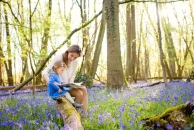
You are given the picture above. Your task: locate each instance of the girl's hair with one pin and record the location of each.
(58, 64)
(73, 48)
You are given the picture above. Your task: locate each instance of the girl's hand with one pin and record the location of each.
(59, 90)
(58, 84)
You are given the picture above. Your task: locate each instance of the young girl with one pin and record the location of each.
(55, 88)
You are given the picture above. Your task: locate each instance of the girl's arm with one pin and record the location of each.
(53, 83)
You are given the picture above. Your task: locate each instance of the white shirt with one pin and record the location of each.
(70, 72)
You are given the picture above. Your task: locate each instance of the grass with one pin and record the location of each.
(108, 110)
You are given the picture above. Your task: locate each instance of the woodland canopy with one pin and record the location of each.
(122, 41)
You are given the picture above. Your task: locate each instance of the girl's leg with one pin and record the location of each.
(68, 96)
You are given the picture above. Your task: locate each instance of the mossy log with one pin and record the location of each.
(69, 114)
(178, 117)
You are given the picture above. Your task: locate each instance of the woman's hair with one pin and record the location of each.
(58, 64)
(73, 48)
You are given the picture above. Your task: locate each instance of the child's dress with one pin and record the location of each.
(53, 88)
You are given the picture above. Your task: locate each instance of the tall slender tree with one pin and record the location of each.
(131, 42)
(2, 58)
(45, 38)
(98, 45)
(159, 40)
(9, 58)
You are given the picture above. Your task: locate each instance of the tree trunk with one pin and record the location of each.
(128, 70)
(170, 47)
(159, 39)
(185, 37)
(114, 65)
(45, 38)
(9, 63)
(131, 43)
(69, 114)
(98, 46)
(178, 117)
(86, 62)
(1, 54)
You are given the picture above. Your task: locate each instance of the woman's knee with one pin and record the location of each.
(84, 90)
(77, 94)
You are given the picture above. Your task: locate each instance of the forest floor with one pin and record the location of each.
(126, 109)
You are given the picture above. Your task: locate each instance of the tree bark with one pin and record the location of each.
(131, 43)
(98, 46)
(114, 65)
(69, 114)
(175, 116)
(159, 39)
(1, 54)
(45, 38)
(9, 61)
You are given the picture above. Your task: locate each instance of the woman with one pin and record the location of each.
(70, 58)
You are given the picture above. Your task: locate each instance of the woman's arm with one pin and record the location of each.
(74, 69)
(46, 78)
(48, 69)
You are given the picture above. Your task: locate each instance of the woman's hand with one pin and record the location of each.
(71, 80)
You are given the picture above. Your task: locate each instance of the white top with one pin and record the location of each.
(70, 72)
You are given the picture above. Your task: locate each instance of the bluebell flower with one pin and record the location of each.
(65, 127)
(100, 119)
(143, 122)
(20, 126)
(122, 108)
(8, 123)
(191, 100)
(153, 127)
(175, 97)
(122, 126)
(41, 128)
(169, 127)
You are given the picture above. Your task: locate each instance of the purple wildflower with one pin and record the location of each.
(191, 100)
(153, 127)
(65, 127)
(169, 127)
(122, 108)
(122, 126)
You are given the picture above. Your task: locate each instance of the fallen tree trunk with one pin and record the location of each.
(177, 118)
(69, 114)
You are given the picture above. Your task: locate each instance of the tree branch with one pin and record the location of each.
(144, 1)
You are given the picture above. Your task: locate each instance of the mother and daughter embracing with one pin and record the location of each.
(62, 69)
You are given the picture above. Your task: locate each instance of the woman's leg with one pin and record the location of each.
(85, 99)
(81, 97)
